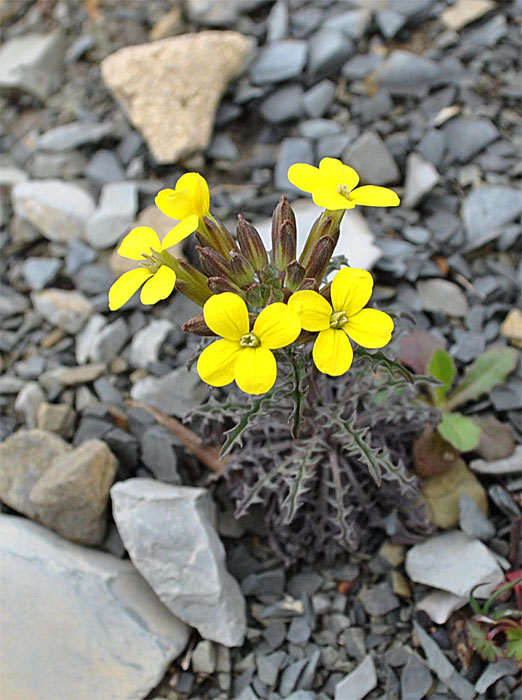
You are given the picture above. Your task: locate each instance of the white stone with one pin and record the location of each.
(508, 465)
(439, 605)
(175, 393)
(114, 216)
(454, 562)
(86, 337)
(169, 532)
(421, 178)
(359, 682)
(86, 622)
(147, 342)
(65, 309)
(28, 401)
(356, 240)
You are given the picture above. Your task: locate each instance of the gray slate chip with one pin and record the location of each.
(283, 105)
(416, 680)
(329, 49)
(293, 150)
(39, 272)
(465, 137)
(405, 73)
(290, 676)
(74, 134)
(264, 583)
(486, 211)
(472, 520)
(279, 61)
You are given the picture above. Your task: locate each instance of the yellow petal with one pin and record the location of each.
(125, 286)
(332, 352)
(329, 198)
(351, 290)
(255, 370)
(138, 241)
(227, 315)
(335, 173)
(305, 177)
(373, 196)
(159, 286)
(370, 328)
(198, 189)
(177, 205)
(277, 326)
(216, 362)
(180, 231)
(312, 310)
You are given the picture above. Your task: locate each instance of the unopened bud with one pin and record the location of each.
(284, 234)
(257, 295)
(220, 284)
(242, 271)
(323, 226)
(218, 237)
(213, 264)
(308, 283)
(251, 244)
(192, 292)
(320, 257)
(295, 274)
(197, 325)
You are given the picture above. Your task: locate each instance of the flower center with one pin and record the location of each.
(338, 319)
(344, 191)
(151, 261)
(250, 341)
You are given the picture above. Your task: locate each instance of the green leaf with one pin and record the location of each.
(486, 648)
(459, 431)
(297, 393)
(514, 645)
(248, 417)
(306, 460)
(443, 368)
(488, 370)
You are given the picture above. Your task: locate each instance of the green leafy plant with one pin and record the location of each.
(497, 633)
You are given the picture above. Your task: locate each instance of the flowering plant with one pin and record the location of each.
(263, 312)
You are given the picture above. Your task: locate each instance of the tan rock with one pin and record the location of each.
(170, 89)
(167, 25)
(71, 376)
(464, 12)
(392, 553)
(400, 584)
(442, 493)
(512, 327)
(58, 418)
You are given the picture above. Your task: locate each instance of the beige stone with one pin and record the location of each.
(442, 493)
(169, 24)
(400, 584)
(170, 89)
(466, 11)
(392, 553)
(512, 327)
(71, 376)
(58, 418)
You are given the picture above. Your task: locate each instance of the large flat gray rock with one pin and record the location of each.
(77, 623)
(169, 533)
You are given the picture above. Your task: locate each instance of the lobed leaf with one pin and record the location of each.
(514, 645)
(307, 459)
(297, 393)
(487, 648)
(459, 431)
(234, 435)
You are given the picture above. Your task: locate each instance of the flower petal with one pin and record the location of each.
(255, 370)
(159, 286)
(305, 177)
(227, 315)
(335, 173)
(312, 310)
(125, 286)
(370, 328)
(198, 189)
(216, 362)
(277, 326)
(332, 352)
(173, 203)
(351, 290)
(180, 231)
(373, 196)
(138, 241)
(329, 198)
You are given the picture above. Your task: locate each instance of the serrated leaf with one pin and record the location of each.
(487, 648)
(306, 462)
(379, 359)
(247, 419)
(297, 393)
(514, 645)
(459, 431)
(254, 495)
(488, 370)
(442, 368)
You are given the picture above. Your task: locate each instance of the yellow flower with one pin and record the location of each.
(190, 197)
(158, 280)
(351, 291)
(241, 354)
(333, 184)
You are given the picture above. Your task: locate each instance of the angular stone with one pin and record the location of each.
(293, 150)
(454, 562)
(440, 604)
(472, 520)
(487, 210)
(114, 216)
(379, 599)
(170, 536)
(74, 134)
(512, 327)
(359, 682)
(505, 667)
(59, 210)
(140, 77)
(109, 341)
(372, 159)
(204, 657)
(46, 583)
(72, 376)
(283, 104)
(57, 418)
(319, 98)
(465, 137)
(442, 296)
(279, 61)
(175, 393)
(508, 465)
(442, 492)
(352, 23)
(66, 490)
(416, 680)
(465, 11)
(104, 167)
(159, 455)
(32, 63)
(67, 310)
(38, 272)
(421, 178)
(28, 402)
(405, 73)
(329, 49)
(147, 342)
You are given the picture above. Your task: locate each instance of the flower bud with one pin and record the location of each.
(197, 325)
(220, 284)
(192, 292)
(308, 283)
(242, 271)
(320, 257)
(219, 237)
(323, 226)
(284, 234)
(295, 274)
(251, 244)
(257, 295)
(213, 264)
